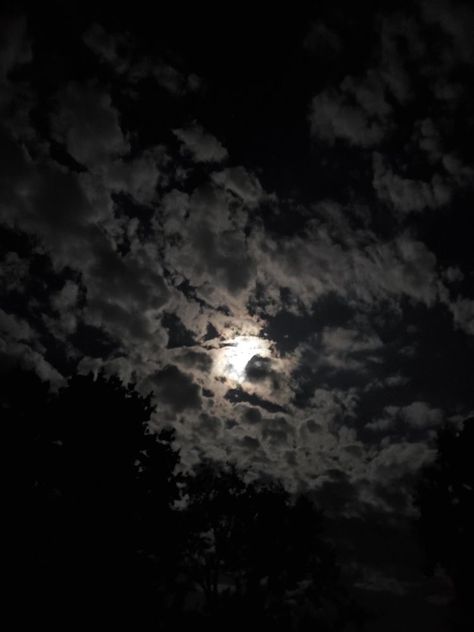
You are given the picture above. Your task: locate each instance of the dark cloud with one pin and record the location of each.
(277, 430)
(119, 50)
(405, 194)
(321, 41)
(337, 492)
(250, 443)
(239, 395)
(108, 47)
(252, 415)
(15, 49)
(178, 335)
(333, 118)
(209, 425)
(258, 368)
(175, 389)
(417, 415)
(240, 182)
(88, 124)
(196, 359)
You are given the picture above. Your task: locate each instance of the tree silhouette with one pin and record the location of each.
(95, 489)
(258, 555)
(445, 498)
(101, 541)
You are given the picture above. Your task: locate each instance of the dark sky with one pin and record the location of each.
(265, 219)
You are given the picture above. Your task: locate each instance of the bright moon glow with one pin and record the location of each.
(235, 354)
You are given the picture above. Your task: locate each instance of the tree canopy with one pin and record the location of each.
(102, 540)
(445, 498)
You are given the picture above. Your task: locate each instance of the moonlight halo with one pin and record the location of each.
(234, 355)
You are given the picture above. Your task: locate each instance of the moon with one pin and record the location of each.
(234, 355)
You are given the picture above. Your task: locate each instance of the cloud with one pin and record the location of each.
(65, 303)
(367, 272)
(202, 146)
(277, 430)
(14, 354)
(13, 273)
(87, 122)
(120, 52)
(332, 118)
(168, 77)
(374, 580)
(421, 415)
(199, 360)
(258, 368)
(71, 217)
(15, 46)
(209, 425)
(406, 194)
(396, 459)
(125, 294)
(175, 389)
(142, 254)
(348, 348)
(250, 444)
(368, 108)
(463, 314)
(107, 46)
(339, 339)
(240, 182)
(456, 21)
(358, 110)
(13, 327)
(418, 415)
(251, 415)
(210, 247)
(138, 177)
(329, 408)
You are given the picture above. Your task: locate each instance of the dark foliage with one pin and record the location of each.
(259, 555)
(445, 498)
(100, 542)
(93, 491)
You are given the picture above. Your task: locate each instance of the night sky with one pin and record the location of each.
(266, 220)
